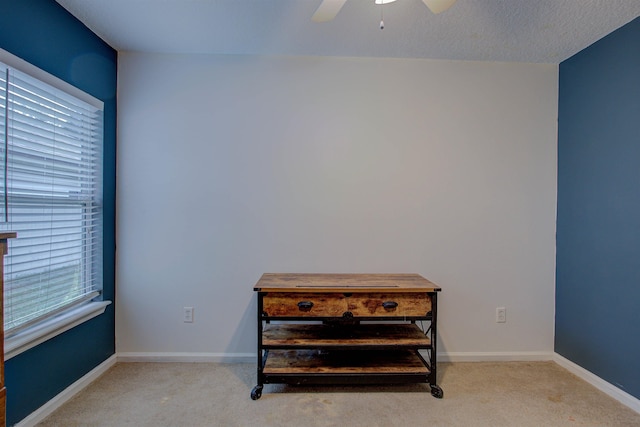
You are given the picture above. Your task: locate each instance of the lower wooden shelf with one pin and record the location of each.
(335, 363)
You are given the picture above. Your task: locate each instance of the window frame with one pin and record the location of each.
(49, 327)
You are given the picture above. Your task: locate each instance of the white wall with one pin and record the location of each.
(231, 166)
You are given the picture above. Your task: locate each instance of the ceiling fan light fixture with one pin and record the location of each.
(438, 6)
(328, 9)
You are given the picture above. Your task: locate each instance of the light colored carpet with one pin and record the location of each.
(475, 394)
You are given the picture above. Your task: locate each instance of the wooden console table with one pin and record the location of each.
(325, 333)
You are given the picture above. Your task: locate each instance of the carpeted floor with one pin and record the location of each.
(475, 394)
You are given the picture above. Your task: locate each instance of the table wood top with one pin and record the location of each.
(312, 282)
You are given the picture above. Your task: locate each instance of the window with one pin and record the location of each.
(51, 195)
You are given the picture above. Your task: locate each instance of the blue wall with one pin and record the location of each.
(598, 228)
(44, 34)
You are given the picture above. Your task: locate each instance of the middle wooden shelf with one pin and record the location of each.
(355, 336)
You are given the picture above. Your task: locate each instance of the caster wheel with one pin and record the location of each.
(256, 392)
(437, 392)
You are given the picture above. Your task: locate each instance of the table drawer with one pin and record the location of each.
(283, 304)
(391, 304)
(304, 304)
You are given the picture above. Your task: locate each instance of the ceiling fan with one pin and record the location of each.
(328, 9)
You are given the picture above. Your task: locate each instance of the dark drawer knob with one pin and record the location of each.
(305, 305)
(389, 305)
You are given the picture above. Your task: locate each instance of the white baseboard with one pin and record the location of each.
(188, 357)
(604, 386)
(531, 356)
(514, 356)
(251, 357)
(65, 395)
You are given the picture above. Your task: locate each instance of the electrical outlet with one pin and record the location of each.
(187, 314)
(501, 315)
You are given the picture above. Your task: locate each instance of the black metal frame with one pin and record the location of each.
(356, 379)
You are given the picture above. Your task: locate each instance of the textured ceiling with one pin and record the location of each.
(546, 31)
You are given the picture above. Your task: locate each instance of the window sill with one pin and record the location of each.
(48, 329)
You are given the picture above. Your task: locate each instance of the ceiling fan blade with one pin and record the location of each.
(437, 6)
(327, 10)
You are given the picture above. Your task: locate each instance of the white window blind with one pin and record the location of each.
(51, 195)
